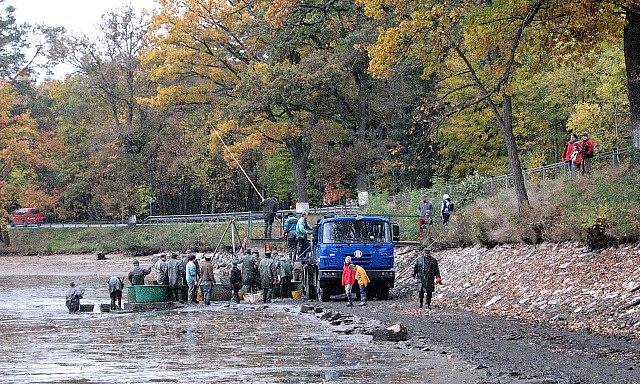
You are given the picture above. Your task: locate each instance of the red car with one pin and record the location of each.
(26, 216)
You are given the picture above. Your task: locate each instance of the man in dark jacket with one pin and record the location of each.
(207, 279)
(235, 280)
(269, 209)
(137, 274)
(182, 278)
(426, 271)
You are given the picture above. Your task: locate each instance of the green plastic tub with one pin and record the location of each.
(148, 293)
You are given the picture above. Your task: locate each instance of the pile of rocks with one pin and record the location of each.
(355, 325)
(561, 283)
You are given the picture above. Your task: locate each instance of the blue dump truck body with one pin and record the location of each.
(369, 242)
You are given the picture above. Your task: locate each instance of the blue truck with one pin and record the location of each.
(367, 239)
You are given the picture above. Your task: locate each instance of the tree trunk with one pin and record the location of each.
(512, 152)
(632, 63)
(300, 161)
(361, 179)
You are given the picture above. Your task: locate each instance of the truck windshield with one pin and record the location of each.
(357, 231)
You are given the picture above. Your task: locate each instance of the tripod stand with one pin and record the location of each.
(235, 237)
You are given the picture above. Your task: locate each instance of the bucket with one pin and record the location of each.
(148, 293)
(297, 295)
(86, 307)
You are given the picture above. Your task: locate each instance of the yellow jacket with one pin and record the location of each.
(361, 276)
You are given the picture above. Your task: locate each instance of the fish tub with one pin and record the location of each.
(148, 293)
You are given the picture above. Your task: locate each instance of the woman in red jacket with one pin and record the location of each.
(568, 155)
(348, 279)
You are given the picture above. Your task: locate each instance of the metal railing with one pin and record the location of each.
(555, 170)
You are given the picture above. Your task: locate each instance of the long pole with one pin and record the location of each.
(237, 162)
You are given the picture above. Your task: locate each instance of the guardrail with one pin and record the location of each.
(554, 170)
(242, 216)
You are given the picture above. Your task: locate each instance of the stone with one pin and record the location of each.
(306, 309)
(396, 332)
(493, 300)
(326, 315)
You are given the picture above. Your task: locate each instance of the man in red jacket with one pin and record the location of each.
(348, 279)
(588, 147)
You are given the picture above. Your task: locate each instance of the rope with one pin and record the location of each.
(237, 162)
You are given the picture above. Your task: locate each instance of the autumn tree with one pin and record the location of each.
(471, 50)
(573, 28)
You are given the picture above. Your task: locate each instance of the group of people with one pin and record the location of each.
(295, 229)
(578, 154)
(352, 274)
(425, 212)
(265, 273)
(184, 276)
(425, 271)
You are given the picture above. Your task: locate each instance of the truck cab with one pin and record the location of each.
(369, 242)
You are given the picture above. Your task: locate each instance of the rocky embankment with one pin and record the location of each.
(563, 284)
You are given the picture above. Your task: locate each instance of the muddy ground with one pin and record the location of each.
(224, 343)
(481, 348)
(512, 351)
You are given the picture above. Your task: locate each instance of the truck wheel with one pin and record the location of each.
(383, 292)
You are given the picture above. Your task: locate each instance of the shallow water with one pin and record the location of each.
(41, 342)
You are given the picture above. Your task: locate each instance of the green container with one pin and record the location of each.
(148, 293)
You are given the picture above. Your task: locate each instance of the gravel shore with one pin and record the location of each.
(511, 351)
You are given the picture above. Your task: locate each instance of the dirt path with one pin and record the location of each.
(513, 351)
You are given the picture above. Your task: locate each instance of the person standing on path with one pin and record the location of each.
(116, 285)
(348, 279)
(269, 209)
(568, 153)
(425, 212)
(74, 294)
(363, 281)
(588, 148)
(285, 272)
(426, 271)
(137, 274)
(267, 270)
(446, 209)
(191, 276)
(207, 279)
(290, 231)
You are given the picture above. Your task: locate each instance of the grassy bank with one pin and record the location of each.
(599, 210)
(137, 241)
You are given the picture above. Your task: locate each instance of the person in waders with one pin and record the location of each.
(74, 294)
(116, 285)
(267, 270)
(427, 273)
